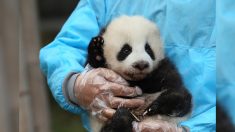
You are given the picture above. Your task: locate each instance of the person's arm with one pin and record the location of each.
(67, 53)
(75, 89)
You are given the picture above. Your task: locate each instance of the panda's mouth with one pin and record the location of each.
(134, 76)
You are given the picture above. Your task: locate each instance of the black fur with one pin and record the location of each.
(223, 121)
(175, 103)
(124, 52)
(164, 77)
(149, 50)
(175, 100)
(95, 52)
(121, 121)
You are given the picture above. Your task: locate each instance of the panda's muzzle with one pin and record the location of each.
(141, 65)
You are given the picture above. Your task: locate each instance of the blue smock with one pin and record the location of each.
(225, 73)
(188, 32)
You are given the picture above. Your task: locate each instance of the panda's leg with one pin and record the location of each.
(173, 102)
(95, 52)
(121, 121)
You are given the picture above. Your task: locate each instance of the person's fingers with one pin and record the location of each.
(102, 118)
(104, 114)
(108, 113)
(116, 102)
(156, 126)
(111, 76)
(145, 129)
(121, 90)
(99, 115)
(148, 127)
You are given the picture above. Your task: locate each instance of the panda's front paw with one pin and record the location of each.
(152, 109)
(96, 48)
(95, 52)
(97, 42)
(174, 105)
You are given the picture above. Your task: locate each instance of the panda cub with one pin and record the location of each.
(131, 46)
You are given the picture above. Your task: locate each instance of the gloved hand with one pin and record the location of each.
(100, 91)
(156, 126)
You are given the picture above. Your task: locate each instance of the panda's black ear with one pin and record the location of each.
(95, 52)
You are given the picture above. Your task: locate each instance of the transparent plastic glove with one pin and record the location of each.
(156, 126)
(100, 91)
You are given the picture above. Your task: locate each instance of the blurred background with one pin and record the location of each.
(32, 24)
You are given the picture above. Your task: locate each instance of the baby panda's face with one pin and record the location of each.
(132, 47)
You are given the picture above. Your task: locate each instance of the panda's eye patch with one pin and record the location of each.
(149, 50)
(124, 52)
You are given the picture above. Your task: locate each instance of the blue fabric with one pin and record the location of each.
(188, 32)
(225, 56)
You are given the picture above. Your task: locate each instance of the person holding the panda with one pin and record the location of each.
(188, 36)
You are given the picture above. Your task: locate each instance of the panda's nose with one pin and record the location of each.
(141, 65)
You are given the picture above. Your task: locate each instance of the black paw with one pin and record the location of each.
(95, 52)
(174, 104)
(121, 120)
(153, 109)
(96, 48)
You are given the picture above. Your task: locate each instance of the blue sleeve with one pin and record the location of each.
(67, 52)
(225, 56)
